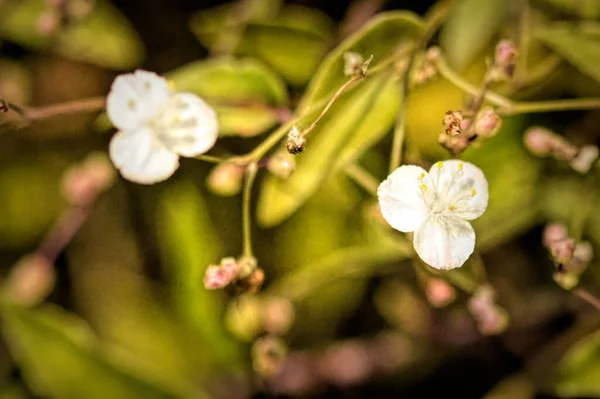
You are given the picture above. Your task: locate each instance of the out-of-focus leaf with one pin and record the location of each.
(60, 357)
(579, 45)
(245, 93)
(354, 121)
(516, 386)
(579, 369)
(469, 28)
(589, 9)
(380, 37)
(15, 82)
(104, 37)
(512, 175)
(188, 245)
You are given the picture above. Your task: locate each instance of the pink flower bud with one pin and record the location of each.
(585, 158)
(439, 293)
(225, 179)
(48, 23)
(230, 268)
(31, 280)
(488, 123)
(282, 165)
(562, 250)
(81, 184)
(506, 53)
(346, 364)
(554, 232)
(278, 315)
(216, 277)
(538, 140)
(255, 281)
(584, 251)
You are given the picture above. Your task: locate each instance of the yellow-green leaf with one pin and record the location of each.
(355, 121)
(470, 27)
(60, 357)
(579, 370)
(105, 37)
(579, 45)
(380, 37)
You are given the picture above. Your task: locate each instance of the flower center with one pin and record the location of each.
(447, 190)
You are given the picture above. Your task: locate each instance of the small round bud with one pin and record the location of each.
(493, 322)
(352, 63)
(225, 179)
(216, 277)
(439, 293)
(48, 23)
(538, 140)
(247, 265)
(282, 164)
(562, 250)
(255, 281)
(31, 280)
(278, 315)
(244, 317)
(230, 267)
(82, 183)
(506, 53)
(268, 354)
(566, 281)
(346, 364)
(585, 158)
(295, 141)
(487, 123)
(554, 232)
(100, 170)
(584, 251)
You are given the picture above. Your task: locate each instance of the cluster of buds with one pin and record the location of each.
(355, 64)
(570, 258)
(82, 183)
(225, 179)
(503, 66)
(242, 275)
(461, 132)
(426, 66)
(60, 13)
(543, 142)
(491, 318)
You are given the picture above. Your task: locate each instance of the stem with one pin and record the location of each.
(210, 158)
(63, 232)
(333, 99)
(552, 105)
(363, 178)
(86, 105)
(587, 296)
(399, 131)
(246, 223)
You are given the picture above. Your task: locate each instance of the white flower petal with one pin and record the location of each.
(463, 187)
(135, 98)
(140, 158)
(189, 126)
(401, 198)
(444, 243)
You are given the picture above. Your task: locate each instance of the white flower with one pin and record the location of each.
(156, 126)
(436, 206)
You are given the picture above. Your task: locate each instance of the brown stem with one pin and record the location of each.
(63, 232)
(86, 105)
(588, 297)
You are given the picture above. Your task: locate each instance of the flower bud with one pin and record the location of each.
(82, 183)
(562, 250)
(506, 53)
(282, 164)
(566, 281)
(295, 141)
(244, 317)
(268, 354)
(216, 277)
(352, 63)
(491, 318)
(439, 293)
(247, 265)
(585, 158)
(278, 315)
(48, 23)
(225, 179)
(487, 123)
(346, 364)
(31, 280)
(554, 232)
(584, 251)
(452, 122)
(254, 282)
(538, 140)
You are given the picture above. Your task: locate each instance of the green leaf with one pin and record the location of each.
(357, 120)
(579, 369)
(104, 38)
(589, 9)
(578, 44)
(380, 37)
(188, 244)
(470, 27)
(60, 357)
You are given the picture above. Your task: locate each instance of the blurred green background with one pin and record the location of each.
(127, 315)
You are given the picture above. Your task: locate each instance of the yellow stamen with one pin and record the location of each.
(439, 164)
(423, 187)
(147, 85)
(422, 176)
(452, 207)
(460, 167)
(473, 192)
(131, 104)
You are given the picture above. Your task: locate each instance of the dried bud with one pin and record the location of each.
(254, 282)
(554, 232)
(31, 280)
(452, 122)
(295, 141)
(268, 354)
(216, 277)
(225, 179)
(352, 63)
(585, 158)
(439, 293)
(562, 250)
(282, 164)
(278, 315)
(455, 144)
(487, 123)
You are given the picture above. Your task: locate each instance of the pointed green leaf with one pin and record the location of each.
(579, 45)
(354, 122)
(470, 27)
(60, 357)
(380, 37)
(105, 37)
